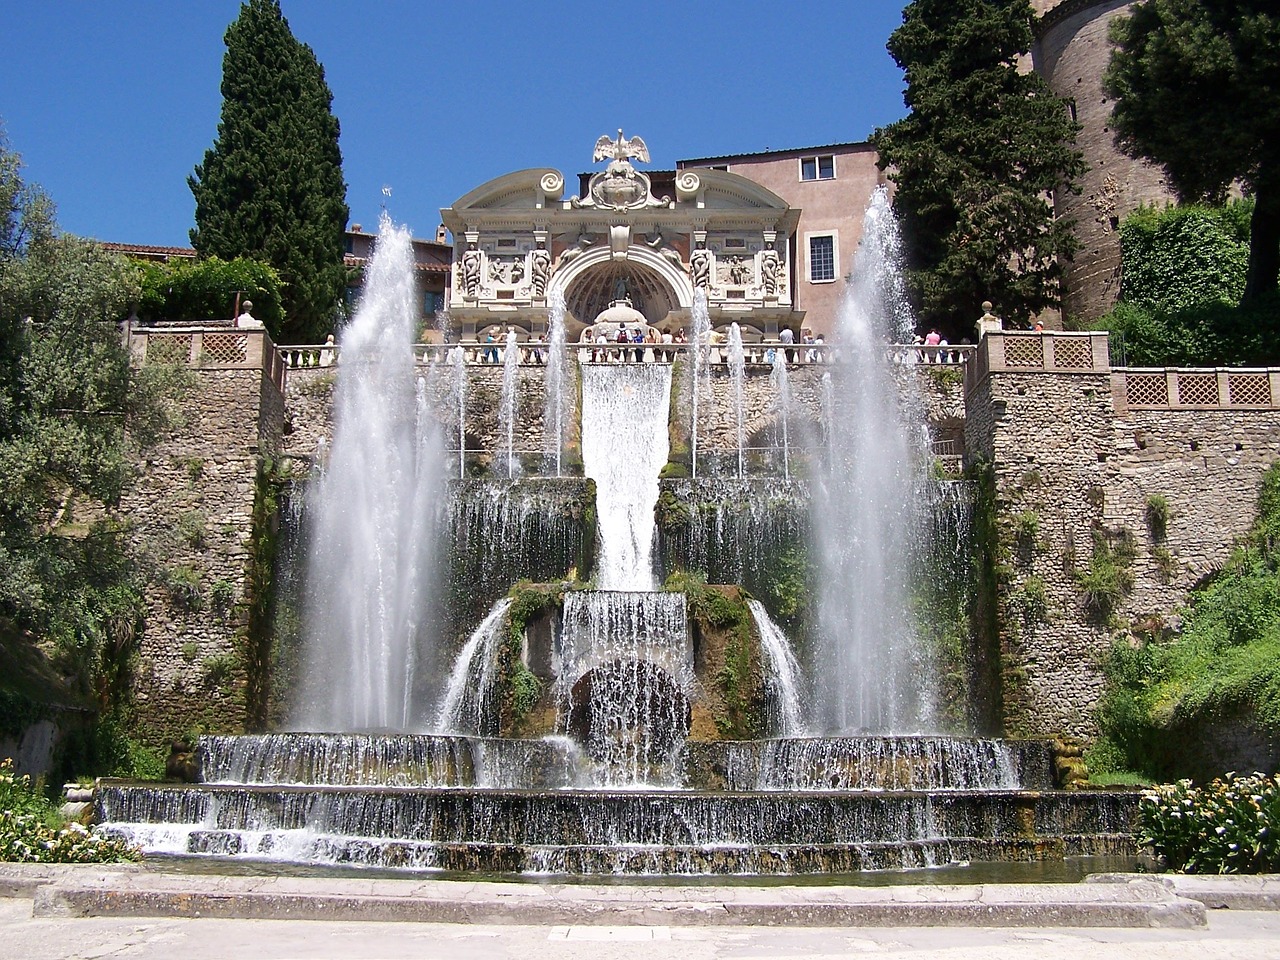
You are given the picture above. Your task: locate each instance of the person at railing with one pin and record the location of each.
(490, 352)
(667, 354)
(328, 353)
(787, 337)
(537, 351)
(637, 338)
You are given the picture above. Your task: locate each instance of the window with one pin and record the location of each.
(818, 168)
(822, 258)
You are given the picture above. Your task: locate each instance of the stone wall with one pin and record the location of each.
(1070, 470)
(191, 510)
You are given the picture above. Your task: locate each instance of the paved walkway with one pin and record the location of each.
(87, 911)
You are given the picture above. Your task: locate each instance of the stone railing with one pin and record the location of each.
(1030, 351)
(1196, 389)
(208, 348)
(535, 352)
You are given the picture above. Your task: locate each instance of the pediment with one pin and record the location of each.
(530, 189)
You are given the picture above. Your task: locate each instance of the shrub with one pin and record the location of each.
(1108, 578)
(192, 529)
(222, 596)
(183, 584)
(1225, 663)
(206, 290)
(1176, 257)
(1158, 514)
(1204, 335)
(1227, 826)
(31, 831)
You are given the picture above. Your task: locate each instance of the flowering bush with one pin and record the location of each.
(29, 831)
(1228, 826)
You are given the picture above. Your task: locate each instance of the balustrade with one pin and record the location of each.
(534, 353)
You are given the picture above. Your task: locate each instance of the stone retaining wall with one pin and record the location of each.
(191, 510)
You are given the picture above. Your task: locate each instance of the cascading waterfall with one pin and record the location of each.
(626, 681)
(870, 673)
(737, 531)
(498, 532)
(553, 409)
(510, 386)
(700, 349)
(624, 445)
(467, 691)
(782, 409)
(374, 532)
(737, 371)
(784, 672)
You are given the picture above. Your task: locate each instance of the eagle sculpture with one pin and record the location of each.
(620, 149)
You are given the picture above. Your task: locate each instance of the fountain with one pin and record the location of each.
(553, 411)
(375, 509)
(776, 720)
(507, 409)
(872, 675)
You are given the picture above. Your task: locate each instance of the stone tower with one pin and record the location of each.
(1071, 52)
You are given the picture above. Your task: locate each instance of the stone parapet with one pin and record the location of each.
(1201, 388)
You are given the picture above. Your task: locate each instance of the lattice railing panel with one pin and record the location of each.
(1198, 389)
(225, 347)
(1249, 389)
(169, 349)
(1073, 353)
(1023, 352)
(1146, 389)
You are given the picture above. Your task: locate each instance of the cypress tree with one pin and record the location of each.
(271, 187)
(975, 163)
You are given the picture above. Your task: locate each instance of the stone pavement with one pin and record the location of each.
(143, 911)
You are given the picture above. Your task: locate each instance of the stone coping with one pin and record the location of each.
(1114, 900)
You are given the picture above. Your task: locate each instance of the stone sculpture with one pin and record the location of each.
(540, 271)
(700, 268)
(769, 271)
(471, 272)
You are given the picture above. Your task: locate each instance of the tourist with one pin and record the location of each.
(787, 337)
(668, 353)
(490, 353)
(637, 338)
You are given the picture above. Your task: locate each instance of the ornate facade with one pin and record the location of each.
(651, 240)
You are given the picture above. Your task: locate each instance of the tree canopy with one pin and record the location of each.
(271, 187)
(65, 393)
(1195, 83)
(975, 162)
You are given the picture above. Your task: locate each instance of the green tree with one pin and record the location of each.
(271, 187)
(199, 289)
(975, 163)
(67, 390)
(1196, 90)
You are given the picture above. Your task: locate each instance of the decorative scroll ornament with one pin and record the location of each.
(620, 186)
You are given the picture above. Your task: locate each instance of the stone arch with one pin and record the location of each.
(657, 285)
(641, 727)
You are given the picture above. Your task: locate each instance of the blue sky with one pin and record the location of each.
(113, 104)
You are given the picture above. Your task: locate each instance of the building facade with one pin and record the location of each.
(652, 242)
(830, 186)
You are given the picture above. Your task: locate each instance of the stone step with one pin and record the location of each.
(600, 818)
